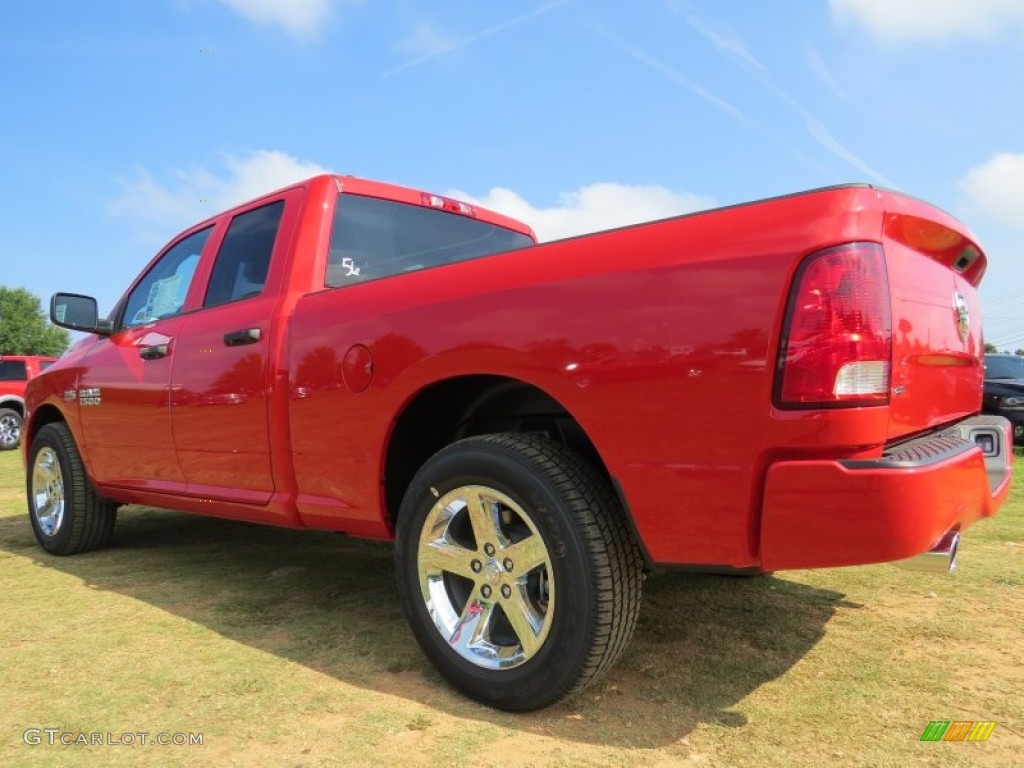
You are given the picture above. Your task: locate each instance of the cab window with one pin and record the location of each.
(161, 293)
(243, 261)
(373, 238)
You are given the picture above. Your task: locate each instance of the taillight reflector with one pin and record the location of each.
(837, 338)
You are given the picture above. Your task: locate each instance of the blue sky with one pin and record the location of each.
(124, 122)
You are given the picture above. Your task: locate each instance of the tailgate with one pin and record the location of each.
(934, 267)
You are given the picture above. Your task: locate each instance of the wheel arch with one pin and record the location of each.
(464, 406)
(14, 403)
(41, 416)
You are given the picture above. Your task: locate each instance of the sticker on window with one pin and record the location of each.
(163, 297)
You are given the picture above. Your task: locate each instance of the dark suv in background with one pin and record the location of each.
(1004, 390)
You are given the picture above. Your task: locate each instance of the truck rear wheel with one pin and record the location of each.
(67, 514)
(10, 429)
(517, 569)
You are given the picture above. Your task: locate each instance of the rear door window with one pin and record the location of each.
(243, 261)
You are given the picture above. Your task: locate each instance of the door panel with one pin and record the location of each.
(123, 391)
(124, 409)
(220, 403)
(219, 378)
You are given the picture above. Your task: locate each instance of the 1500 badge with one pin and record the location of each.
(89, 396)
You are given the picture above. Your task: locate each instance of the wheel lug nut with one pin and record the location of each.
(506, 591)
(485, 591)
(508, 563)
(489, 549)
(477, 566)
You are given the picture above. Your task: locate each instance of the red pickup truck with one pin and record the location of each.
(15, 371)
(791, 383)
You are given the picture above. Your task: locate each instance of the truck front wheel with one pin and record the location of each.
(67, 514)
(517, 569)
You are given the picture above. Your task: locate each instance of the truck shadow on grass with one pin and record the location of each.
(330, 603)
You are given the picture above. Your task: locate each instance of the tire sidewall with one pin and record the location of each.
(49, 438)
(557, 665)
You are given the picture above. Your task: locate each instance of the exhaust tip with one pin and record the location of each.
(941, 558)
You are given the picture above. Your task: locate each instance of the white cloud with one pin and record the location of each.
(996, 189)
(916, 20)
(191, 194)
(426, 41)
(264, 171)
(301, 18)
(591, 208)
(177, 200)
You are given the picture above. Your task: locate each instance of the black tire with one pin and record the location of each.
(588, 603)
(67, 514)
(10, 429)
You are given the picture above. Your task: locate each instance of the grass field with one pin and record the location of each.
(288, 649)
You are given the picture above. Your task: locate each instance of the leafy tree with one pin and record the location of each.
(24, 329)
(1019, 352)
(990, 347)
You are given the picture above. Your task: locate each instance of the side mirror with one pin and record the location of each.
(78, 313)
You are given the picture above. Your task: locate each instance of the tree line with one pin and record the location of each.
(991, 348)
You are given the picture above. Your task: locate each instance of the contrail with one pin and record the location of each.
(709, 96)
(821, 71)
(732, 47)
(676, 76)
(477, 37)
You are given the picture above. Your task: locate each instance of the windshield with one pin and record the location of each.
(1004, 367)
(374, 238)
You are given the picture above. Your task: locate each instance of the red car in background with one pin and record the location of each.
(15, 371)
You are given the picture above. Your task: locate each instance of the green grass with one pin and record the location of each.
(288, 648)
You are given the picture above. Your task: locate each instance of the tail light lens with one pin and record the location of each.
(837, 338)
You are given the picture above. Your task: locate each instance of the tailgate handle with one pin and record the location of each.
(153, 353)
(244, 336)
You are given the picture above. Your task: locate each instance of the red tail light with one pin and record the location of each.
(837, 337)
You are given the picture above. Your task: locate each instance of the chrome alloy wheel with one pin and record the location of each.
(48, 492)
(10, 430)
(486, 578)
